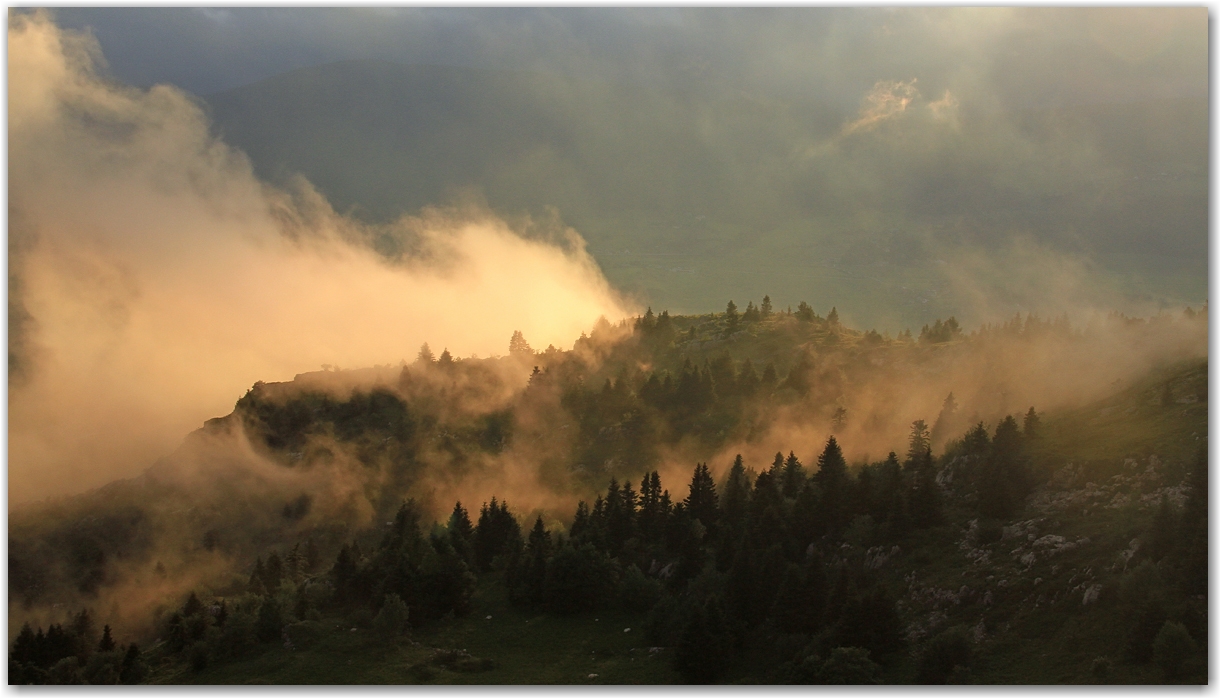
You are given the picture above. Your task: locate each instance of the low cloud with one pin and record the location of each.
(159, 278)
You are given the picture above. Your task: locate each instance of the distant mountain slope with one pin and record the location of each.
(685, 196)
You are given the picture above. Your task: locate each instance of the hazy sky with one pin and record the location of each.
(1032, 55)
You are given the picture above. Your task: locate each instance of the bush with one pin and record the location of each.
(849, 666)
(360, 618)
(990, 531)
(944, 653)
(1141, 638)
(199, 656)
(304, 634)
(1140, 584)
(270, 623)
(391, 621)
(1101, 668)
(66, 672)
(237, 637)
(705, 645)
(1172, 647)
(579, 579)
(637, 593)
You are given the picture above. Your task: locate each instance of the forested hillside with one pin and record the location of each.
(758, 495)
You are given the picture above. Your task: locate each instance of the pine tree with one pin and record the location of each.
(917, 444)
(461, 532)
(793, 477)
(924, 499)
(580, 523)
(1032, 425)
(765, 308)
(704, 646)
(273, 575)
(313, 556)
(132, 669)
(944, 420)
(1164, 530)
(1192, 545)
(736, 500)
(751, 314)
(730, 318)
(270, 621)
(518, 346)
(889, 502)
(192, 606)
(702, 502)
(107, 642)
(831, 479)
(425, 355)
(769, 377)
(1003, 482)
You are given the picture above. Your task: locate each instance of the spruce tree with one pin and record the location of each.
(702, 502)
(917, 444)
(736, 499)
(944, 421)
(831, 479)
(794, 476)
(924, 500)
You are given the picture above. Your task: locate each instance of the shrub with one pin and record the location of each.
(945, 652)
(391, 620)
(637, 593)
(1172, 647)
(199, 656)
(849, 666)
(1101, 668)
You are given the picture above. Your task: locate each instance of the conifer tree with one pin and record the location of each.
(794, 476)
(889, 500)
(831, 479)
(917, 444)
(704, 645)
(702, 502)
(192, 606)
(107, 642)
(256, 584)
(736, 499)
(1192, 548)
(924, 499)
(425, 355)
(944, 420)
(273, 575)
(580, 523)
(1003, 482)
(1032, 425)
(730, 318)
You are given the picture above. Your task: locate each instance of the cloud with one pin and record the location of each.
(887, 100)
(161, 278)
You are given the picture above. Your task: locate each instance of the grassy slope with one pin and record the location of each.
(1028, 640)
(527, 649)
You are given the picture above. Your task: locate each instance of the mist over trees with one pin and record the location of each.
(593, 448)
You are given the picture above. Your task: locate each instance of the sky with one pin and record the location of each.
(1032, 56)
